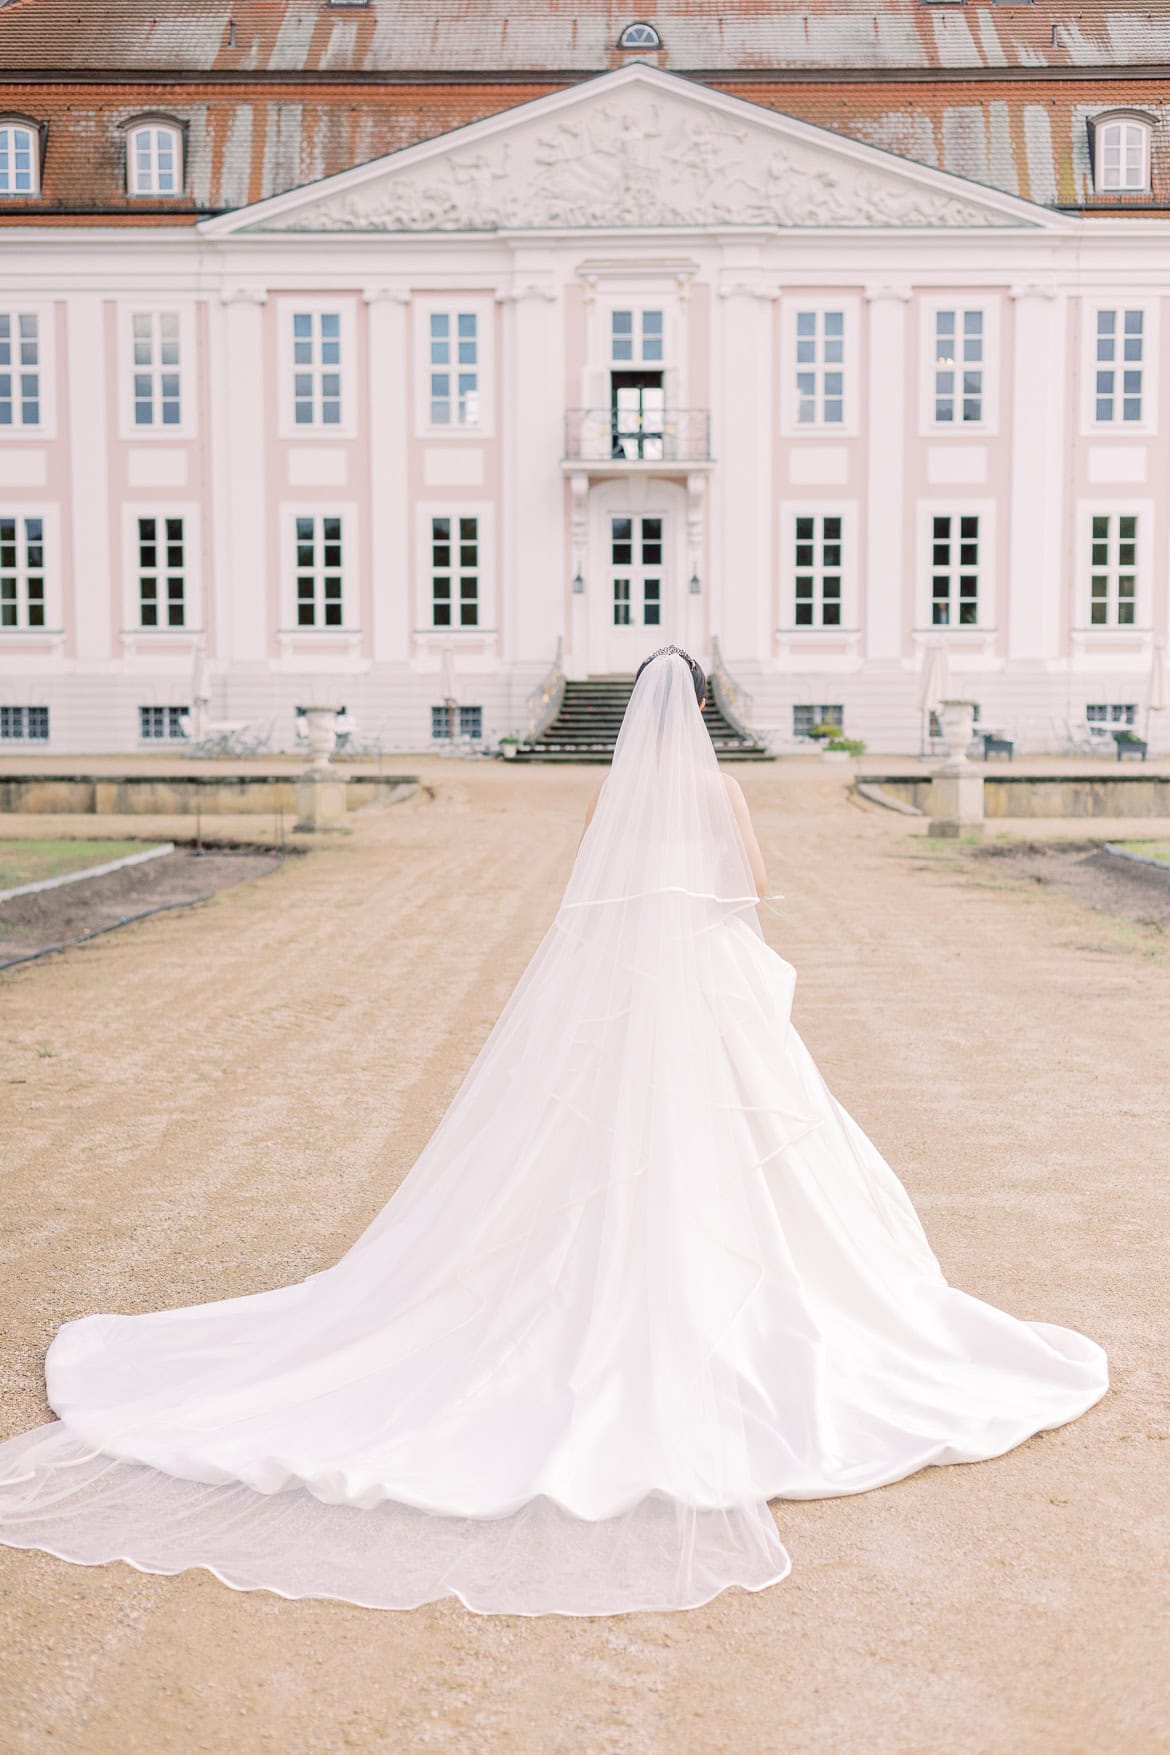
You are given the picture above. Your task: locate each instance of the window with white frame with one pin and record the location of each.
(1113, 575)
(22, 571)
(19, 159)
(958, 366)
(454, 368)
(639, 36)
(154, 159)
(457, 721)
(1111, 713)
(24, 724)
(317, 368)
(805, 716)
(157, 385)
(1121, 155)
(817, 553)
(637, 337)
(162, 572)
(20, 369)
(820, 368)
(954, 569)
(1119, 384)
(455, 575)
(319, 571)
(156, 724)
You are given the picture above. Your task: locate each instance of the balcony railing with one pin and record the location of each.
(606, 435)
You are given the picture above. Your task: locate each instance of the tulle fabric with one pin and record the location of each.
(646, 1276)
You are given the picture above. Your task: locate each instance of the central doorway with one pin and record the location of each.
(635, 553)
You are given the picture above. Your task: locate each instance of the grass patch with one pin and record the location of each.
(28, 862)
(1151, 849)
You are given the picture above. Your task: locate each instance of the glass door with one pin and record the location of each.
(636, 588)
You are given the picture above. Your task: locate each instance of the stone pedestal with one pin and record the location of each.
(956, 802)
(956, 789)
(320, 802)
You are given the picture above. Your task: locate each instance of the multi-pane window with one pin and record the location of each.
(820, 368)
(454, 368)
(25, 724)
(317, 368)
(318, 572)
(20, 370)
(817, 555)
(155, 723)
(1121, 156)
(958, 366)
(154, 160)
(1113, 570)
(22, 572)
(637, 337)
(18, 159)
(805, 716)
(1111, 713)
(457, 722)
(158, 399)
(954, 570)
(1120, 362)
(455, 572)
(161, 573)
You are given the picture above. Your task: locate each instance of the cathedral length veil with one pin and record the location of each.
(646, 1275)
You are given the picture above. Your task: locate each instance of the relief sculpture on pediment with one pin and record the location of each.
(637, 162)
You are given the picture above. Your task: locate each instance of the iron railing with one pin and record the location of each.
(544, 703)
(647, 435)
(732, 700)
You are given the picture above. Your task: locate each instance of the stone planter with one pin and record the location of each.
(834, 755)
(321, 733)
(508, 751)
(957, 719)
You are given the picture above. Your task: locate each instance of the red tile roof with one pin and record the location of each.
(497, 36)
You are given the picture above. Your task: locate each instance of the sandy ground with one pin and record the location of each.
(216, 1101)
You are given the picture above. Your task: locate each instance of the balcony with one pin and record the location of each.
(633, 441)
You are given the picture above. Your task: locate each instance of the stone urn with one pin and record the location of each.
(957, 719)
(321, 730)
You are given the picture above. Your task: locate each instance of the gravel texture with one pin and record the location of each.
(217, 1100)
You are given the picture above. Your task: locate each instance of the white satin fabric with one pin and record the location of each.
(646, 1276)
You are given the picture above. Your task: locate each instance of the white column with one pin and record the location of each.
(740, 605)
(242, 602)
(1031, 593)
(88, 514)
(532, 549)
(885, 564)
(391, 533)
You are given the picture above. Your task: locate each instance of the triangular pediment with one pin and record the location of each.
(637, 148)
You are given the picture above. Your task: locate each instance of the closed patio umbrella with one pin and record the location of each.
(447, 687)
(936, 683)
(1158, 686)
(200, 691)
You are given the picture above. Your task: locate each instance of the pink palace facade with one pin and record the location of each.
(632, 362)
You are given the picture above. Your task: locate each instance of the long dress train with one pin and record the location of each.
(646, 1276)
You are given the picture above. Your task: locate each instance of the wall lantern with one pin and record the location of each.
(695, 585)
(578, 583)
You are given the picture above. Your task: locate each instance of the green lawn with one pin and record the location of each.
(1152, 849)
(27, 862)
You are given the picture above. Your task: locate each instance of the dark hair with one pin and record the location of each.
(697, 676)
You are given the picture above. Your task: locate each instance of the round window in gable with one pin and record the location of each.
(639, 36)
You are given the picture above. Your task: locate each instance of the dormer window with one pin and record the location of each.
(154, 159)
(639, 36)
(1121, 154)
(20, 169)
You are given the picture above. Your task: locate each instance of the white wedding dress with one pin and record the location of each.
(646, 1276)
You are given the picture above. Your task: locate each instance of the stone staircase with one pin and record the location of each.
(586, 728)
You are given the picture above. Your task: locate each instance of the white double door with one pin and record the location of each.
(634, 578)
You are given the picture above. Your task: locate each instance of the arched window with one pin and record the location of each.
(1121, 154)
(20, 169)
(639, 36)
(154, 158)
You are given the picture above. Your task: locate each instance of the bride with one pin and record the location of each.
(646, 1276)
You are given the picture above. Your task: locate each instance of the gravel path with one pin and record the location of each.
(216, 1100)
